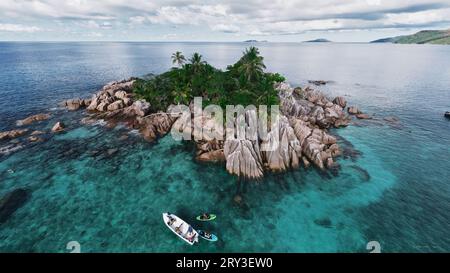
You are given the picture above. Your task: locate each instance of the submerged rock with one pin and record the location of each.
(318, 82)
(324, 222)
(34, 139)
(364, 173)
(12, 134)
(11, 202)
(363, 116)
(74, 104)
(58, 127)
(37, 132)
(31, 119)
(391, 119)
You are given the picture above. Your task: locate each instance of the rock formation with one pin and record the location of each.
(58, 127)
(12, 134)
(312, 106)
(298, 137)
(31, 119)
(353, 110)
(113, 96)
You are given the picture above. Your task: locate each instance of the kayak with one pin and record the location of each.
(213, 238)
(180, 228)
(211, 217)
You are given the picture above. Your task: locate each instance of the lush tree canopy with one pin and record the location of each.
(243, 83)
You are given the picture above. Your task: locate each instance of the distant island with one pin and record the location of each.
(437, 37)
(320, 40)
(255, 41)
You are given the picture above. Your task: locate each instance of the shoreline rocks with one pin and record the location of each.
(12, 134)
(363, 116)
(306, 114)
(312, 106)
(58, 127)
(318, 82)
(31, 119)
(353, 110)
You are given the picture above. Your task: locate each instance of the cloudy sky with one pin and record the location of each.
(218, 20)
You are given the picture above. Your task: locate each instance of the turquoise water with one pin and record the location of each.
(93, 186)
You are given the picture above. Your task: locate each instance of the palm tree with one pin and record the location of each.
(178, 58)
(196, 62)
(251, 64)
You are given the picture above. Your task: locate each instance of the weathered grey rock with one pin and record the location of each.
(341, 101)
(125, 85)
(243, 158)
(94, 103)
(86, 102)
(121, 94)
(118, 104)
(58, 127)
(31, 119)
(212, 156)
(155, 125)
(12, 134)
(74, 104)
(316, 144)
(286, 150)
(127, 101)
(34, 139)
(306, 162)
(37, 132)
(316, 108)
(353, 110)
(102, 107)
(141, 107)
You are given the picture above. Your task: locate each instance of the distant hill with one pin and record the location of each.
(255, 41)
(321, 40)
(439, 37)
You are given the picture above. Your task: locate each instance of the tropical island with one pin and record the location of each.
(320, 40)
(437, 37)
(152, 106)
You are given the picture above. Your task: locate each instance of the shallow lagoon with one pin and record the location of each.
(108, 194)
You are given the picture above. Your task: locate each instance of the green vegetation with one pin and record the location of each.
(244, 82)
(441, 37)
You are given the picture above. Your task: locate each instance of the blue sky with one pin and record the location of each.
(218, 20)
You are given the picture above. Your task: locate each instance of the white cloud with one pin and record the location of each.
(19, 28)
(225, 28)
(250, 17)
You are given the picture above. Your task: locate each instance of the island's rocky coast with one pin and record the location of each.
(304, 140)
(301, 131)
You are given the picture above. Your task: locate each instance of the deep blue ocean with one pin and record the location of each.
(93, 186)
